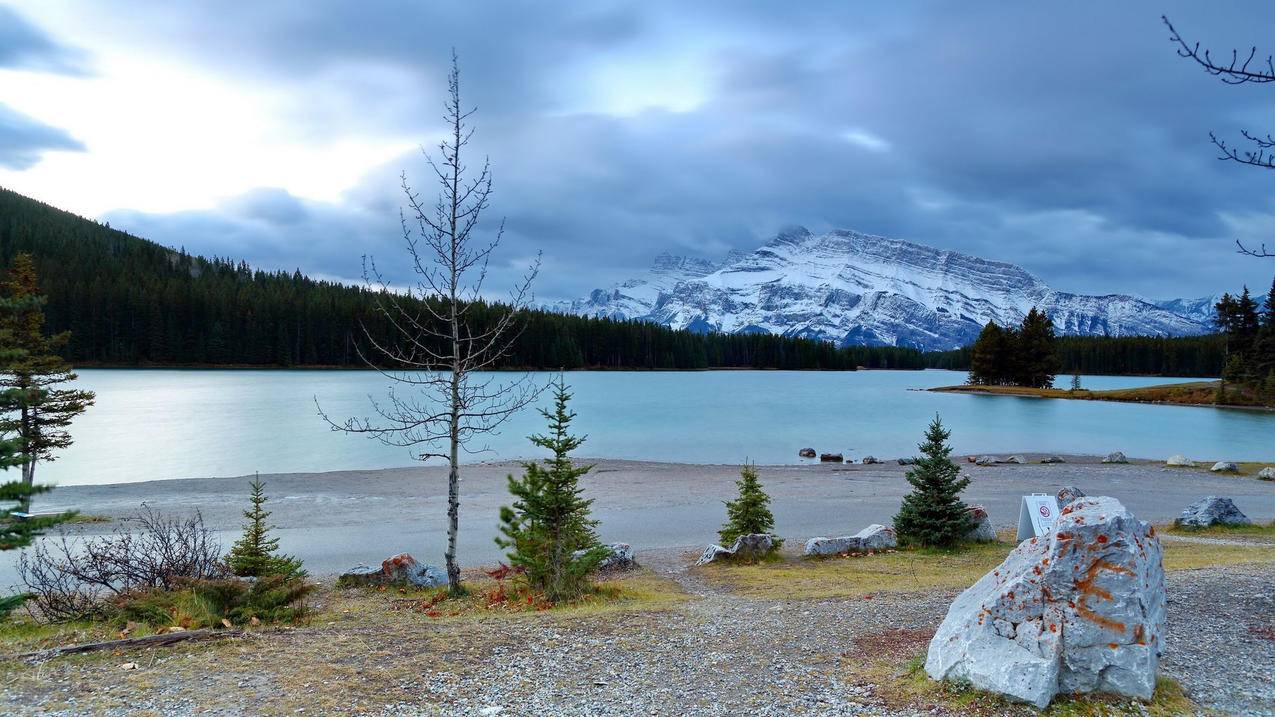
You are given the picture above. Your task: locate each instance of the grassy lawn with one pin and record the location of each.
(1225, 531)
(918, 570)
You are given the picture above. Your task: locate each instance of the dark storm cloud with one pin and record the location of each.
(1065, 137)
(23, 139)
(25, 46)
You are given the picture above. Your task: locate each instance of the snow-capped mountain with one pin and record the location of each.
(853, 288)
(1203, 309)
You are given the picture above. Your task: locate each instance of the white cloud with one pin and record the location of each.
(865, 139)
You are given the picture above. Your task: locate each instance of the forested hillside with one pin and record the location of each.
(129, 301)
(1133, 355)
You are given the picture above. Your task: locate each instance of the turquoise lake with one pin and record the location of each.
(161, 424)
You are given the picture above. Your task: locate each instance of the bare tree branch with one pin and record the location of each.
(446, 339)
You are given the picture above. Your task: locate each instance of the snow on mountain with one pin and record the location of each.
(852, 288)
(1202, 309)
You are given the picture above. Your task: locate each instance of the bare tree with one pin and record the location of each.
(442, 393)
(1240, 70)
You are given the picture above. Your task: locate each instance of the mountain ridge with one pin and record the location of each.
(851, 288)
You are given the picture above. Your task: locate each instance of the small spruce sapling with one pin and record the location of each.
(749, 513)
(256, 553)
(932, 515)
(1075, 382)
(548, 530)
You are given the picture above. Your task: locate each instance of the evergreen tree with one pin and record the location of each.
(933, 515)
(36, 412)
(547, 530)
(1075, 382)
(255, 554)
(749, 513)
(985, 357)
(1036, 362)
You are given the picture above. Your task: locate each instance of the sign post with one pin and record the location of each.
(1037, 515)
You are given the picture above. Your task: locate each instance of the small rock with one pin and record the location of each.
(806, 453)
(129, 666)
(876, 537)
(871, 460)
(1211, 510)
(1116, 457)
(982, 532)
(491, 710)
(255, 621)
(831, 458)
(822, 547)
(401, 569)
(619, 558)
(988, 460)
(1068, 495)
(752, 546)
(907, 461)
(176, 628)
(1267, 473)
(1225, 467)
(713, 554)
(1052, 459)
(1180, 461)
(226, 623)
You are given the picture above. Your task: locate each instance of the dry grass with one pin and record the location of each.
(1225, 531)
(918, 570)
(907, 686)
(1192, 393)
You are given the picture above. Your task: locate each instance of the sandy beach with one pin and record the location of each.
(339, 519)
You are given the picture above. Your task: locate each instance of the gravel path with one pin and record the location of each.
(717, 654)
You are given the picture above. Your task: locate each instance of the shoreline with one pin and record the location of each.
(1154, 395)
(335, 520)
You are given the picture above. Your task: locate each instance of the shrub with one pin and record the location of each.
(71, 579)
(750, 512)
(206, 603)
(256, 553)
(933, 515)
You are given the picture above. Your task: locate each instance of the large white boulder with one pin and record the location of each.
(1079, 609)
(877, 537)
(1267, 473)
(823, 547)
(1116, 457)
(753, 546)
(1179, 461)
(1225, 467)
(1211, 510)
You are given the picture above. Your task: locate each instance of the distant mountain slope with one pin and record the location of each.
(129, 301)
(855, 289)
(1203, 309)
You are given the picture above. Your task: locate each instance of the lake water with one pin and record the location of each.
(158, 424)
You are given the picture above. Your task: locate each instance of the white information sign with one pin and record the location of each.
(1037, 515)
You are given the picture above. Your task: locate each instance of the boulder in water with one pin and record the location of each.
(871, 460)
(831, 457)
(1211, 510)
(806, 453)
(1079, 609)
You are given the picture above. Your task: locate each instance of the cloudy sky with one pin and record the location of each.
(1066, 137)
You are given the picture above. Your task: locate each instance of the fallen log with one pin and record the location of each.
(161, 640)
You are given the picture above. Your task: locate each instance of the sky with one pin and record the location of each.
(1065, 137)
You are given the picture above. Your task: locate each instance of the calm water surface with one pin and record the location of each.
(156, 424)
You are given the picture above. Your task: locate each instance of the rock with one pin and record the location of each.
(401, 569)
(1211, 510)
(831, 458)
(752, 546)
(1180, 461)
(907, 461)
(1068, 495)
(822, 547)
(871, 460)
(748, 548)
(876, 537)
(982, 532)
(988, 460)
(1225, 467)
(619, 558)
(1016, 459)
(1267, 473)
(971, 459)
(1052, 459)
(806, 453)
(128, 666)
(1116, 457)
(713, 554)
(1080, 609)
